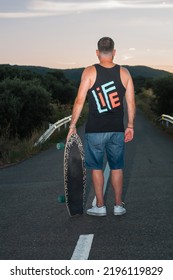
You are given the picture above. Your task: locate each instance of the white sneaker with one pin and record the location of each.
(97, 211)
(119, 210)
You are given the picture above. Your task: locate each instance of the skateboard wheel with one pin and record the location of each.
(61, 198)
(60, 146)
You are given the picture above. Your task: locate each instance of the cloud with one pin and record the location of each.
(24, 15)
(95, 5)
(41, 8)
(66, 63)
(68, 7)
(132, 49)
(126, 57)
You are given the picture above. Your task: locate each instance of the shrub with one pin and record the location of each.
(24, 106)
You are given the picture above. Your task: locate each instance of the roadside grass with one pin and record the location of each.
(16, 150)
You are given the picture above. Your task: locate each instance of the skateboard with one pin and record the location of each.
(74, 175)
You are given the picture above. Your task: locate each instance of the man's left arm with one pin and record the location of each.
(131, 109)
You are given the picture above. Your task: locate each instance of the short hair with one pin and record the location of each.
(105, 45)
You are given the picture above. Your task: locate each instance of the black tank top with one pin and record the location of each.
(105, 99)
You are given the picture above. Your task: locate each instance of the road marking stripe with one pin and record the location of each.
(106, 177)
(83, 247)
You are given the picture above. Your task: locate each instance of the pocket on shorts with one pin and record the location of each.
(118, 139)
(94, 140)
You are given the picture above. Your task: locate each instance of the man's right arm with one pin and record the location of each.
(80, 99)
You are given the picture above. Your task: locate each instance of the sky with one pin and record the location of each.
(64, 34)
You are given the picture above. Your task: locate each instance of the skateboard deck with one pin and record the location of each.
(74, 175)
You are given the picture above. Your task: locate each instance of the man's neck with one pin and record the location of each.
(106, 63)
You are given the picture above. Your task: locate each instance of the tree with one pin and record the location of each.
(24, 106)
(139, 83)
(163, 89)
(68, 94)
(62, 90)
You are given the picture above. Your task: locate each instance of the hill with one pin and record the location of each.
(147, 72)
(136, 71)
(75, 73)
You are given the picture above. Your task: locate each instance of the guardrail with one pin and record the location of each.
(52, 128)
(168, 119)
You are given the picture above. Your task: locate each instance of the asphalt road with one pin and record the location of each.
(34, 225)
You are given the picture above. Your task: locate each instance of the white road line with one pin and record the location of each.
(106, 177)
(83, 247)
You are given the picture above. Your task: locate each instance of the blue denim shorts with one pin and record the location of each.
(99, 144)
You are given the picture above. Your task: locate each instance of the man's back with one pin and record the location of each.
(106, 100)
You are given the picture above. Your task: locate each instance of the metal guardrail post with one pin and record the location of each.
(165, 118)
(52, 128)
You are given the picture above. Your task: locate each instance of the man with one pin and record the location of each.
(106, 84)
